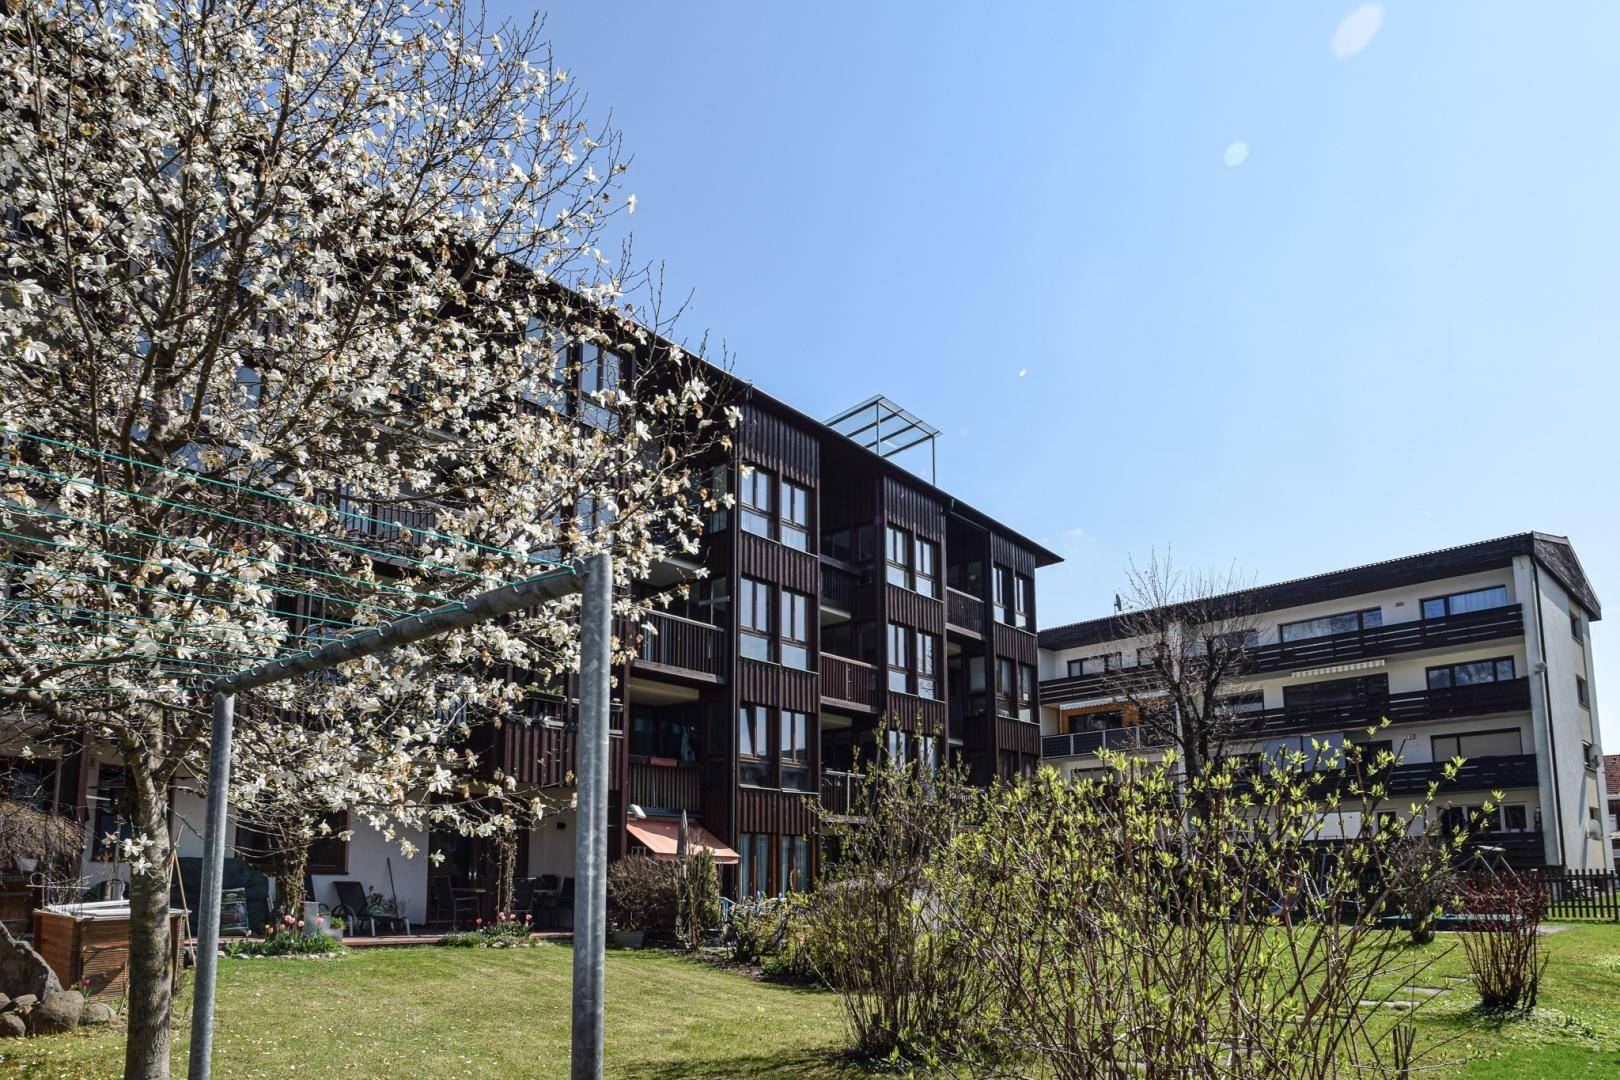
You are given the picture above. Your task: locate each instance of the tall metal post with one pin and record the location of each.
(590, 834)
(213, 873)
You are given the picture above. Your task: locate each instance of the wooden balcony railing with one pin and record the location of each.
(1452, 630)
(964, 610)
(848, 680)
(684, 644)
(841, 792)
(1412, 707)
(1395, 638)
(838, 585)
(654, 785)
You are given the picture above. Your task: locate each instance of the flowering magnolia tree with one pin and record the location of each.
(307, 328)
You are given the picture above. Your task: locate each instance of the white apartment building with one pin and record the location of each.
(1479, 651)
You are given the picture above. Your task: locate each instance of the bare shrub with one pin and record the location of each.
(1501, 935)
(910, 988)
(641, 895)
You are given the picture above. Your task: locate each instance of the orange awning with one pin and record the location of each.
(662, 838)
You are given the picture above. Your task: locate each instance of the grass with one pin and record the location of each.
(488, 1012)
(431, 1012)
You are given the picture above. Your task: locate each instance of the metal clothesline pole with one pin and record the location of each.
(593, 576)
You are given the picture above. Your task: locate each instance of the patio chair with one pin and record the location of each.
(447, 899)
(554, 906)
(355, 908)
(523, 897)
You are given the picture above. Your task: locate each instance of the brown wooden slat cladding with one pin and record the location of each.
(907, 712)
(764, 810)
(1015, 735)
(911, 509)
(915, 610)
(767, 560)
(665, 787)
(964, 610)
(771, 684)
(1018, 644)
(544, 754)
(772, 442)
(849, 681)
(677, 643)
(1007, 553)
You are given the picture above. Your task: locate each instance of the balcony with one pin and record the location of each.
(1082, 743)
(1413, 707)
(964, 611)
(841, 793)
(839, 584)
(848, 682)
(660, 785)
(1391, 640)
(1414, 636)
(1477, 774)
(681, 646)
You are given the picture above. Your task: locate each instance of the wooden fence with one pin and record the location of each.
(1589, 895)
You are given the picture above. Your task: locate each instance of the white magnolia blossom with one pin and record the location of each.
(288, 284)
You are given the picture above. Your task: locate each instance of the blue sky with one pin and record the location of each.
(1385, 323)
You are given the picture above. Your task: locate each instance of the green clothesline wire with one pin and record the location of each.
(186, 570)
(195, 545)
(107, 616)
(285, 530)
(119, 637)
(147, 662)
(259, 491)
(166, 592)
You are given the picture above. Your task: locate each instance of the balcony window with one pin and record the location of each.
(753, 745)
(1471, 673)
(1337, 692)
(927, 665)
(1023, 602)
(1245, 704)
(795, 751)
(927, 749)
(719, 487)
(753, 865)
(1327, 625)
(1438, 607)
(1095, 665)
(795, 516)
(897, 554)
(1582, 694)
(899, 659)
(897, 744)
(1504, 742)
(966, 577)
(1575, 630)
(1006, 687)
(926, 579)
(1026, 693)
(756, 497)
(795, 630)
(1002, 579)
(794, 862)
(599, 374)
(1515, 817)
(754, 619)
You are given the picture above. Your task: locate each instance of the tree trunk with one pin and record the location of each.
(146, 1054)
(290, 877)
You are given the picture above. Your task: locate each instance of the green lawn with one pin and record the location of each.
(460, 1012)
